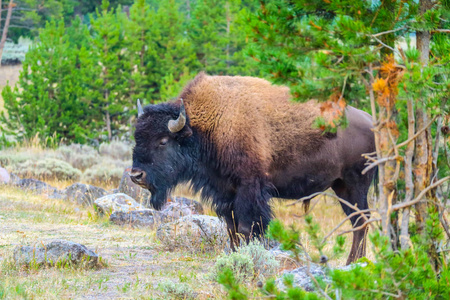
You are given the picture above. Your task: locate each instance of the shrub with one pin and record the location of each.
(116, 149)
(176, 290)
(249, 262)
(79, 156)
(107, 170)
(47, 168)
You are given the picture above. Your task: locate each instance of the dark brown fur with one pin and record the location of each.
(245, 142)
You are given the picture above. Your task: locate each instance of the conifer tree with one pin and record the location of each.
(49, 100)
(108, 68)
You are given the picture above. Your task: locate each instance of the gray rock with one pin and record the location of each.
(128, 187)
(192, 232)
(53, 252)
(301, 277)
(84, 194)
(117, 202)
(137, 218)
(38, 187)
(303, 280)
(4, 176)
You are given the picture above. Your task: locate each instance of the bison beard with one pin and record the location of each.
(240, 142)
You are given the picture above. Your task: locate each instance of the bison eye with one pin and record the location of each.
(163, 141)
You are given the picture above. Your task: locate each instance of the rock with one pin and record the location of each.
(193, 231)
(84, 194)
(302, 279)
(128, 187)
(285, 258)
(38, 187)
(137, 218)
(117, 202)
(4, 176)
(195, 206)
(175, 210)
(53, 252)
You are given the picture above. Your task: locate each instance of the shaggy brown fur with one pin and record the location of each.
(249, 117)
(245, 142)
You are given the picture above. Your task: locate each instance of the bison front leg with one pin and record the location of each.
(251, 209)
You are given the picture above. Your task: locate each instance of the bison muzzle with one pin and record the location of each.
(240, 141)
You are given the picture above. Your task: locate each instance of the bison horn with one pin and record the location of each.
(139, 107)
(178, 124)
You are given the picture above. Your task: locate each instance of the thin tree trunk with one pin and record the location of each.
(5, 28)
(409, 181)
(422, 152)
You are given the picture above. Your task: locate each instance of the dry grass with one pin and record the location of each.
(137, 262)
(8, 74)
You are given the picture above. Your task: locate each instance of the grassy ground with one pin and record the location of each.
(8, 74)
(136, 262)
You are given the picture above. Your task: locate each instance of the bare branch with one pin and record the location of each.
(360, 227)
(347, 218)
(441, 30)
(379, 162)
(416, 135)
(389, 31)
(422, 193)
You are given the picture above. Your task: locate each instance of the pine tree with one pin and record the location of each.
(219, 37)
(108, 70)
(48, 100)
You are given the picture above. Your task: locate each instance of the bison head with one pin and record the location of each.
(162, 156)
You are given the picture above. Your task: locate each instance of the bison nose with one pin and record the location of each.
(137, 175)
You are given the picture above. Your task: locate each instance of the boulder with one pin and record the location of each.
(117, 202)
(54, 253)
(198, 231)
(137, 218)
(303, 280)
(4, 176)
(301, 277)
(39, 187)
(128, 187)
(84, 194)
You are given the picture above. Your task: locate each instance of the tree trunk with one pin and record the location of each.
(409, 180)
(423, 153)
(5, 28)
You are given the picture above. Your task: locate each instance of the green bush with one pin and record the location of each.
(107, 170)
(249, 262)
(79, 156)
(47, 168)
(116, 149)
(174, 290)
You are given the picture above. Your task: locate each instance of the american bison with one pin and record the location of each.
(240, 141)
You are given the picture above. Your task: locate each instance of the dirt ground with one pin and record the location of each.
(136, 262)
